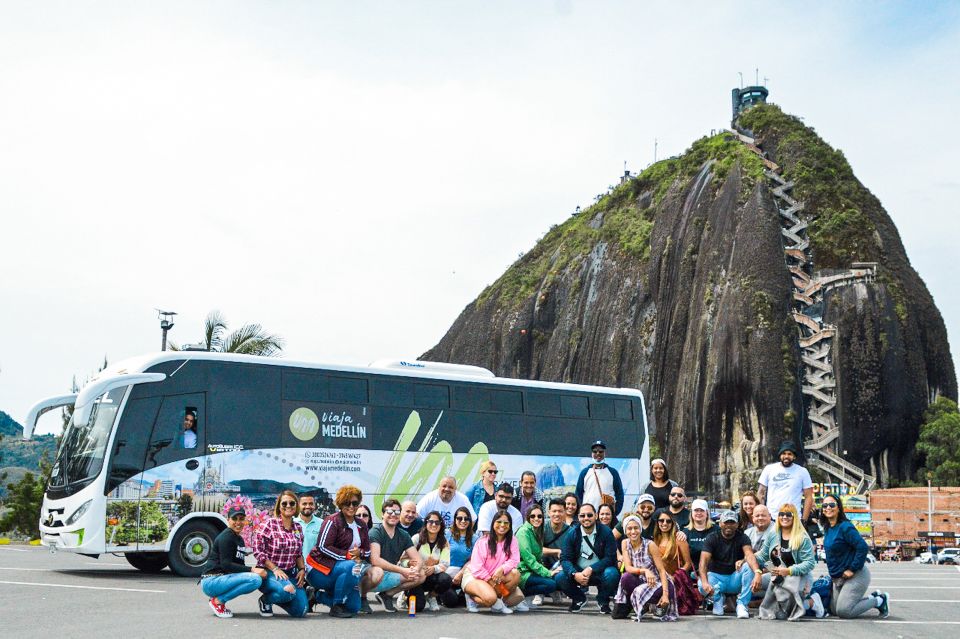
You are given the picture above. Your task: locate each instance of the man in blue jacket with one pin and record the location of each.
(588, 556)
(598, 482)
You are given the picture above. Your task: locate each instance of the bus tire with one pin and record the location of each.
(191, 547)
(149, 562)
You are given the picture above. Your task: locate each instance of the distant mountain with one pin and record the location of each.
(15, 451)
(268, 486)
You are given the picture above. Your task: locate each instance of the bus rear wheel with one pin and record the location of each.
(191, 547)
(151, 562)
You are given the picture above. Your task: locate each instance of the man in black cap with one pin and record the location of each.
(599, 483)
(786, 482)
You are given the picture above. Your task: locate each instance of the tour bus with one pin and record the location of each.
(157, 445)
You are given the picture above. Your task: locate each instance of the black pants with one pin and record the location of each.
(439, 584)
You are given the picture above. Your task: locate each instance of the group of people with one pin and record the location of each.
(496, 548)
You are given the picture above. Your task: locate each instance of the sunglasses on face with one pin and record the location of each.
(788, 515)
(829, 504)
(352, 504)
(462, 518)
(677, 495)
(391, 512)
(664, 521)
(433, 522)
(586, 515)
(492, 471)
(288, 504)
(363, 515)
(535, 517)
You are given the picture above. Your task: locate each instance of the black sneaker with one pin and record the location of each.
(885, 606)
(577, 606)
(605, 609)
(387, 602)
(340, 611)
(365, 607)
(266, 610)
(620, 611)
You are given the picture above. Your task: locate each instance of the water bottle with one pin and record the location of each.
(412, 606)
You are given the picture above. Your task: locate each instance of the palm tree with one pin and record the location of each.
(249, 339)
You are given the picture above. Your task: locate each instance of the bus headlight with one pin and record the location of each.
(79, 512)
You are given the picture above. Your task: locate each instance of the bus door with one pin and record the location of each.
(173, 470)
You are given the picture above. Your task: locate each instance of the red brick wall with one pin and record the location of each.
(899, 513)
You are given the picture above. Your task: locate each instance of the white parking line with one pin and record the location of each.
(31, 583)
(898, 600)
(922, 587)
(88, 569)
(949, 623)
(13, 549)
(914, 579)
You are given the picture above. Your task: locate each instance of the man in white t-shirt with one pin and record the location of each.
(785, 482)
(445, 500)
(501, 501)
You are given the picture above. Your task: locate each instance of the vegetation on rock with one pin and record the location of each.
(940, 443)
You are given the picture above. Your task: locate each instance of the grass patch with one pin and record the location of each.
(840, 230)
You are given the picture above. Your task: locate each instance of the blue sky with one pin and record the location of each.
(353, 174)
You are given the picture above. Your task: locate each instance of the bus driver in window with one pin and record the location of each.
(189, 429)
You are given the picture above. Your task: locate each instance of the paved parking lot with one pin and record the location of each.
(67, 595)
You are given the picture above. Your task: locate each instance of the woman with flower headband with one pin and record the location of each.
(278, 547)
(227, 577)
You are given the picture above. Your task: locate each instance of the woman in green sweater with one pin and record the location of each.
(535, 578)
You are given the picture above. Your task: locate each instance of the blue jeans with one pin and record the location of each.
(294, 603)
(737, 583)
(230, 586)
(537, 585)
(339, 587)
(606, 584)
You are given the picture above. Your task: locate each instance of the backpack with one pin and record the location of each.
(823, 587)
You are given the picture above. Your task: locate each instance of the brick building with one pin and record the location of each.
(899, 514)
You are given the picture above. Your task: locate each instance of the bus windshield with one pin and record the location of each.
(83, 448)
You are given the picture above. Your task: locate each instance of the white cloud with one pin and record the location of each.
(352, 176)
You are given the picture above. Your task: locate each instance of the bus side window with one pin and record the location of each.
(190, 427)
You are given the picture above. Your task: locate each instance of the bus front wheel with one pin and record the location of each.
(191, 547)
(151, 562)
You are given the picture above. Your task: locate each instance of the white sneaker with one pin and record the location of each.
(742, 612)
(817, 605)
(432, 604)
(500, 607)
(718, 607)
(536, 601)
(523, 606)
(471, 604)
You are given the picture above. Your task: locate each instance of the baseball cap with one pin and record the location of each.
(234, 511)
(599, 443)
(728, 515)
(646, 497)
(701, 504)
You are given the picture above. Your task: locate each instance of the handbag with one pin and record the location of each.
(609, 500)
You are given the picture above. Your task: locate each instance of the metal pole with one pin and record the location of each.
(929, 505)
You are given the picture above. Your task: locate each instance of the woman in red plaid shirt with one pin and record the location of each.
(278, 548)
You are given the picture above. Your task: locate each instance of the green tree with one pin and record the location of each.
(940, 442)
(249, 339)
(23, 502)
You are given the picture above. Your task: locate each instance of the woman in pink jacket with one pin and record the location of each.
(491, 579)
